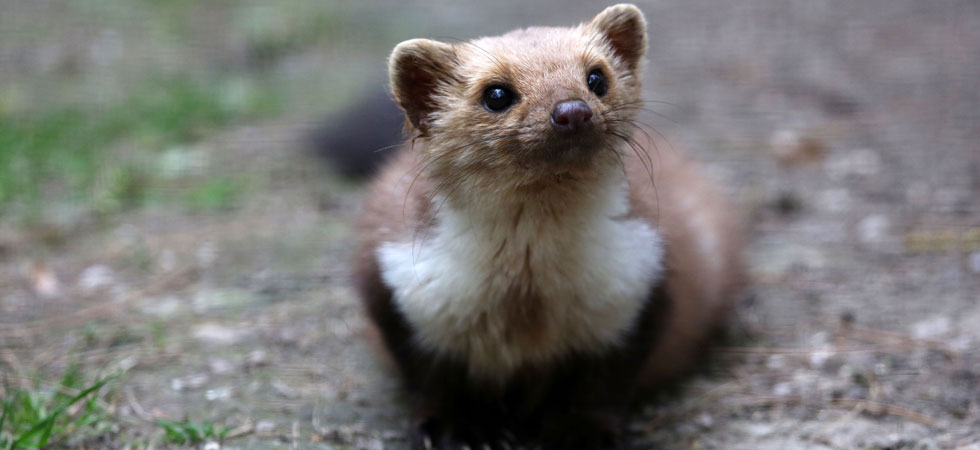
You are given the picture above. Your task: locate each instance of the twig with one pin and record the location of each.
(790, 350)
(884, 408)
(901, 340)
(241, 430)
(135, 405)
(866, 405)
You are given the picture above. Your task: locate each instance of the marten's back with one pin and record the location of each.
(703, 238)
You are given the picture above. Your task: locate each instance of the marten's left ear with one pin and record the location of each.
(626, 31)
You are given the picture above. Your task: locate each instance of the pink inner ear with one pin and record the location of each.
(627, 40)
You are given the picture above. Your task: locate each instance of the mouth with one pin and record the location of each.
(565, 153)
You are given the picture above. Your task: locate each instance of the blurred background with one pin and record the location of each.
(174, 245)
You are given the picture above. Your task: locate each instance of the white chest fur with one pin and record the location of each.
(501, 293)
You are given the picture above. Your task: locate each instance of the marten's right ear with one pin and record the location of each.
(418, 69)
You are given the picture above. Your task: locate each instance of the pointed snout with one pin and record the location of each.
(571, 116)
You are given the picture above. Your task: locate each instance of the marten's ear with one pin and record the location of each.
(625, 29)
(418, 69)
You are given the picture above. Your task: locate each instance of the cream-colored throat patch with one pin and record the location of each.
(500, 294)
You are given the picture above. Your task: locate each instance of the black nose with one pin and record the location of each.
(571, 116)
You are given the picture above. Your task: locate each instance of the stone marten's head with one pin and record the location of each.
(533, 106)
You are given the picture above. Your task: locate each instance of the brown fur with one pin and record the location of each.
(702, 285)
(399, 204)
(508, 164)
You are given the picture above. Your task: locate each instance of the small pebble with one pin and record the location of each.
(792, 148)
(705, 420)
(854, 163)
(95, 277)
(168, 260)
(189, 382)
(818, 359)
(206, 255)
(256, 358)
(265, 427)
(44, 281)
(873, 229)
(776, 362)
(782, 389)
(835, 200)
(214, 333)
(220, 393)
(931, 327)
(220, 366)
(881, 369)
(820, 338)
(975, 262)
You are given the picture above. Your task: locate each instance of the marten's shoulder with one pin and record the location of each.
(398, 201)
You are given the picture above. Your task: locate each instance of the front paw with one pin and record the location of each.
(440, 434)
(581, 432)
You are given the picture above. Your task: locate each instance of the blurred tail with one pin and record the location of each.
(357, 139)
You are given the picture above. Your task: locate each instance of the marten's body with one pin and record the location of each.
(532, 258)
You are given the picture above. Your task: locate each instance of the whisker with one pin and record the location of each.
(428, 224)
(627, 107)
(619, 157)
(449, 181)
(653, 181)
(632, 145)
(661, 102)
(633, 124)
(408, 192)
(639, 151)
(639, 125)
(387, 147)
(411, 185)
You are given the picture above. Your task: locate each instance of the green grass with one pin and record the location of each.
(217, 194)
(38, 418)
(190, 433)
(92, 154)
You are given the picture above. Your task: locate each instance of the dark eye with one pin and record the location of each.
(498, 98)
(597, 82)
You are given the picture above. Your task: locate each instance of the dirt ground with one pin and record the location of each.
(848, 133)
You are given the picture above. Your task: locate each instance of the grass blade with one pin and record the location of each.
(3, 420)
(3, 415)
(45, 426)
(47, 432)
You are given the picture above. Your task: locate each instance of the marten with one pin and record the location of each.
(533, 257)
